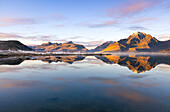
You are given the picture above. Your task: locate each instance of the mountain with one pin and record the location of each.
(138, 42)
(103, 46)
(68, 46)
(13, 45)
(137, 64)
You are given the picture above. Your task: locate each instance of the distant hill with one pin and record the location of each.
(13, 45)
(68, 46)
(137, 42)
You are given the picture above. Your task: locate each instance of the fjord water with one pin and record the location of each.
(110, 83)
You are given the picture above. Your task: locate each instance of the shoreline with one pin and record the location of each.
(35, 53)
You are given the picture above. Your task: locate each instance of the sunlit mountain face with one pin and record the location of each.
(137, 42)
(135, 63)
(68, 46)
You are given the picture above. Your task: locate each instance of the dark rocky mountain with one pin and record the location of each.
(68, 46)
(13, 45)
(138, 42)
(103, 46)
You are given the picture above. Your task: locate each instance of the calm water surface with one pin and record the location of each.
(85, 84)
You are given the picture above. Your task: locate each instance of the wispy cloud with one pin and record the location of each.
(59, 25)
(131, 7)
(100, 25)
(14, 21)
(75, 37)
(138, 28)
(58, 17)
(91, 44)
(11, 36)
(164, 37)
(140, 20)
(17, 21)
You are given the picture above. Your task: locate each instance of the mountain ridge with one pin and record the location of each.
(138, 42)
(67, 46)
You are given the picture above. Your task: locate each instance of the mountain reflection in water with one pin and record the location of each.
(80, 83)
(136, 63)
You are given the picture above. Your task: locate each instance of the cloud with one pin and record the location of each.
(164, 37)
(104, 24)
(60, 25)
(137, 28)
(91, 44)
(76, 37)
(131, 8)
(17, 21)
(58, 17)
(100, 25)
(9, 36)
(13, 21)
(139, 20)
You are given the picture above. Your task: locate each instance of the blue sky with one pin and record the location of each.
(90, 22)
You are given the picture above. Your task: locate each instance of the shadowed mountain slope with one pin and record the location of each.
(13, 45)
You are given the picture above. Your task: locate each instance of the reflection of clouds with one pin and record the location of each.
(92, 60)
(17, 83)
(31, 64)
(120, 88)
(143, 84)
(117, 90)
(100, 79)
(76, 67)
(12, 83)
(7, 69)
(136, 76)
(57, 88)
(163, 67)
(127, 93)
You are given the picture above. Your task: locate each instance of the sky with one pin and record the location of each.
(87, 22)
